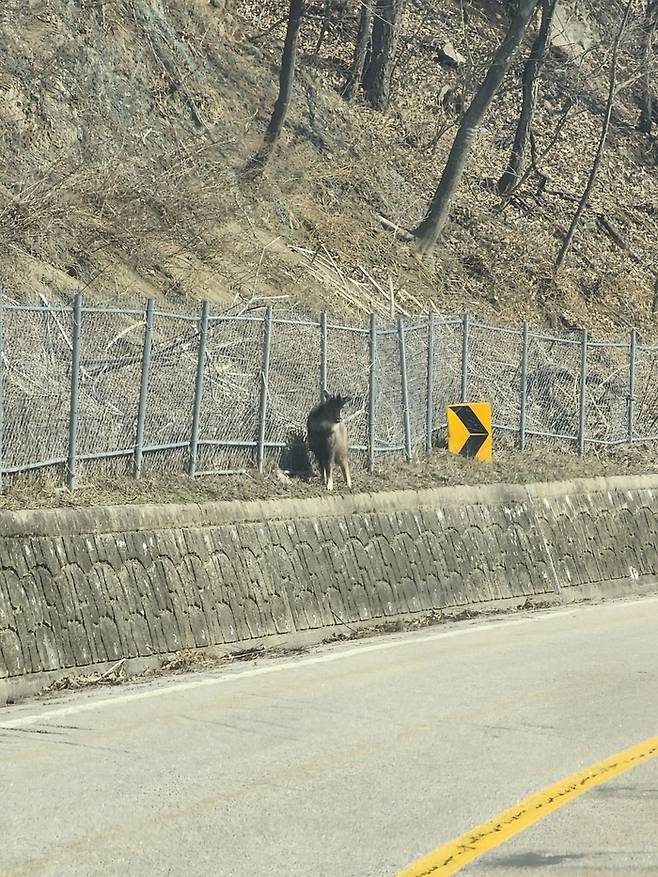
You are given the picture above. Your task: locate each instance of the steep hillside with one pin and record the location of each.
(124, 125)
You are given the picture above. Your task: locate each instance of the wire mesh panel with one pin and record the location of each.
(447, 361)
(606, 400)
(416, 354)
(553, 387)
(231, 394)
(110, 373)
(347, 373)
(494, 373)
(645, 425)
(36, 385)
(389, 429)
(294, 388)
(168, 422)
(38, 346)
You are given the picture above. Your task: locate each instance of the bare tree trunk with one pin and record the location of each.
(385, 30)
(429, 230)
(360, 50)
(323, 27)
(645, 121)
(286, 81)
(612, 93)
(530, 79)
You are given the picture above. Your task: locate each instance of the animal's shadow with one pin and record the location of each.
(295, 459)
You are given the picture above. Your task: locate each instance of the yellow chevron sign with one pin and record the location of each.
(469, 430)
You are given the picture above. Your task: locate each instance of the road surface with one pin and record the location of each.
(349, 761)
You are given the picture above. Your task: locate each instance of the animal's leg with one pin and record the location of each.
(323, 469)
(345, 469)
(330, 475)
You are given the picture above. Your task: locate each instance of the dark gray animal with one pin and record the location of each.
(327, 438)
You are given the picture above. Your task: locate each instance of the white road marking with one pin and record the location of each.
(173, 688)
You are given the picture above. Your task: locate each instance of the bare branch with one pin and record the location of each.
(612, 90)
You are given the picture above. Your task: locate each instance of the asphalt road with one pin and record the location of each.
(349, 761)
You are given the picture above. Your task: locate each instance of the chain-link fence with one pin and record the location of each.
(158, 392)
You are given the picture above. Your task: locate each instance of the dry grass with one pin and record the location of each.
(542, 462)
(128, 187)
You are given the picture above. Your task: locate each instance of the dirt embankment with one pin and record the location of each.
(124, 126)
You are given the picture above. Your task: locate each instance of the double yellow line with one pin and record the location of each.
(457, 853)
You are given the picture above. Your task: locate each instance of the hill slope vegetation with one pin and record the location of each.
(125, 125)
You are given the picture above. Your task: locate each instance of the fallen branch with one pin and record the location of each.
(380, 289)
(404, 293)
(618, 238)
(114, 669)
(402, 234)
(259, 36)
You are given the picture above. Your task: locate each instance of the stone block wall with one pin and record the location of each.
(84, 587)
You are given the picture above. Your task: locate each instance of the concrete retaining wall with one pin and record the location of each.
(86, 587)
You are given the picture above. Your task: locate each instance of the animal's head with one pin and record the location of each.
(332, 405)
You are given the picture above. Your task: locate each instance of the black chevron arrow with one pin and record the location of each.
(478, 431)
(472, 445)
(470, 420)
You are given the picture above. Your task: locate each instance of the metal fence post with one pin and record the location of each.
(264, 387)
(372, 393)
(75, 390)
(583, 393)
(524, 386)
(143, 389)
(323, 355)
(430, 382)
(198, 389)
(465, 328)
(405, 390)
(631, 385)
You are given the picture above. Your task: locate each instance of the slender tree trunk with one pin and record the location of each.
(612, 92)
(429, 230)
(360, 50)
(385, 31)
(323, 27)
(286, 81)
(645, 121)
(531, 72)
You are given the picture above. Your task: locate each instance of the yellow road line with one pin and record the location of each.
(457, 853)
